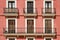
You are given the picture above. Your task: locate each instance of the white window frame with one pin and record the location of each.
(52, 24)
(33, 5)
(26, 24)
(11, 37)
(48, 37)
(11, 0)
(44, 5)
(15, 23)
(30, 37)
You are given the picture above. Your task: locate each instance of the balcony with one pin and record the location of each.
(49, 12)
(10, 11)
(30, 12)
(30, 33)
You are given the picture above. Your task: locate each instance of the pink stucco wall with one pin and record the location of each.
(21, 19)
(57, 19)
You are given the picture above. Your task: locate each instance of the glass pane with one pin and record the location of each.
(11, 38)
(48, 4)
(48, 26)
(48, 38)
(11, 4)
(30, 38)
(11, 26)
(29, 6)
(30, 26)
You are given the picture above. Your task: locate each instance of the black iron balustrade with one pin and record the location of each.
(49, 10)
(10, 10)
(24, 31)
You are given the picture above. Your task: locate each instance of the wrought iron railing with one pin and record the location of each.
(10, 10)
(33, 31)
(49, 10)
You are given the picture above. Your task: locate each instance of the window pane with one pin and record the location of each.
(11, 38)
(48, 38)
(11, 26)
(48, 4)
(48, 26)
(29, 6)
(30, 38)
(30, 26)
(11, 4)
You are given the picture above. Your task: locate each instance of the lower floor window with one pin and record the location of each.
(10, 38)
(30, 38)
(48, 39)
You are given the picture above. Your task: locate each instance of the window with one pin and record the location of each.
(11, 25)
(11, 38)
(48, 38)
(29, 6)
(48, 4)
(11, 4)
(30, 38)
(48, 26)
(48, 23)
(30, 26)
(48, 7)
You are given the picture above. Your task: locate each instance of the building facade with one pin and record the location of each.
(29, 19)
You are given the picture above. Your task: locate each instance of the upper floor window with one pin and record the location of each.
(29, 6)
(11, 4)
(48, 4)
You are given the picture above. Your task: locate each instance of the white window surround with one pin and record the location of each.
(30, 37)
(26, 24)
(52, 24)
(33, 5)
(48, 37)
(11, 0)
(15, 23)
(44, 5)
(11, 37)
